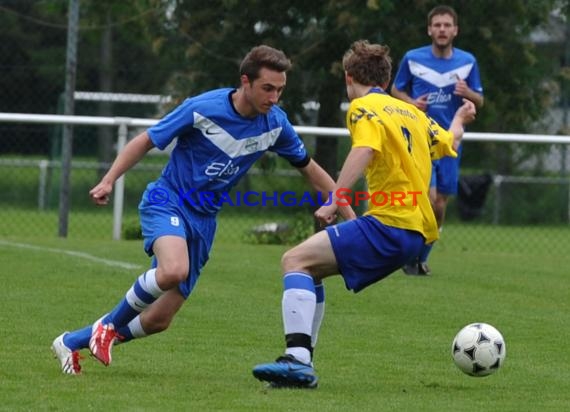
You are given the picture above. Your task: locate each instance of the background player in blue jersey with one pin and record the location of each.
(221, 133)
(435, 79)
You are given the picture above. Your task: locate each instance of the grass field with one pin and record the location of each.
(384, 349)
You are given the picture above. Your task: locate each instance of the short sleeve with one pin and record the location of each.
(366, 128)
(172, 125)
(440, 140)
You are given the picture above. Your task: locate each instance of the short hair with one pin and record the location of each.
(263, 57)
(442, 9)
(368, 64)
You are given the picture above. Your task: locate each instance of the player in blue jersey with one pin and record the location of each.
(221, 133)
(435, 79)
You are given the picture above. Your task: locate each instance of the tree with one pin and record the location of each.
(315, 35)
(183, 47)
(115, 53)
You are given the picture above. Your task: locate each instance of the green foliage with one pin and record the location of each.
(33, 55)
(185, 47)
(290, 231)
(315, 34)
(132, 230)
(549, 204)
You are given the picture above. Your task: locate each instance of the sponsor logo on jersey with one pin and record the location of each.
(439, 97)
(251, 145)
(221, 171)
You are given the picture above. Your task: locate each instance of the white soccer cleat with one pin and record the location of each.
(68, 359)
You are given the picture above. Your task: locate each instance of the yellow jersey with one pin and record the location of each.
(405, 141)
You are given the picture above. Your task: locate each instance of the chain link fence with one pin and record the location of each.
(513, 195)
(30, 187)
(523, 207)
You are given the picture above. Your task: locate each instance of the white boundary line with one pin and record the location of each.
(82, 255)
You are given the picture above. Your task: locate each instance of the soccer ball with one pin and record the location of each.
(478, 349)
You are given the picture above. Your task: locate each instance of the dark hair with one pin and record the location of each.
(263, 56)
(439, 10)
(369, 64)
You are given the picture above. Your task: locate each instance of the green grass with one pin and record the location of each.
(384, 349)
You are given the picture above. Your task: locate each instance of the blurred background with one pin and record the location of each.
(139, 58)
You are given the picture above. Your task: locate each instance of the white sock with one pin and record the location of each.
(299, 353)
(147, 282)
(298, 308)
(136, 328)
(317, 321)
(319, 313)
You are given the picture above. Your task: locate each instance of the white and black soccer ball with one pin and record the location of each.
(478, 349)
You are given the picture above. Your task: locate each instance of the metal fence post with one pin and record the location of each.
(43, 165)
(497, 182)
(119, 197)
(67, 140)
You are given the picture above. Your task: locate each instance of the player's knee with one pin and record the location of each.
(156, 324)
(287, 260)
(172, 273)
(291, 261)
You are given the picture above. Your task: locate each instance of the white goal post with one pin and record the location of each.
(124, 123)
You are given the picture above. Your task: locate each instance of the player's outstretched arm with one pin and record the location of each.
(127, 158)
(321, 181)
(354, 165)
(464, 115)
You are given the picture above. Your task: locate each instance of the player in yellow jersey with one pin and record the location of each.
(393, 144)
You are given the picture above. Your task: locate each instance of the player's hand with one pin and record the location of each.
(461, 88)
(421, 102)
(326, 214)
(467, 111)
(100, 193)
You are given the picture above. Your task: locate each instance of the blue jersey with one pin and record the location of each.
(421, 72)
(216, 146)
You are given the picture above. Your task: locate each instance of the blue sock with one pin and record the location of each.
(320, 292)
(78, 339)
(424, 254)
(144, 291)
(133, 330)
(125, 334)
(299, 280)
(121, 314)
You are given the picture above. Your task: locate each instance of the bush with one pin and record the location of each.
(290, 232)
(132, 230)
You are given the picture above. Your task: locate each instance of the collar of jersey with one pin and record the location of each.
(376, 90)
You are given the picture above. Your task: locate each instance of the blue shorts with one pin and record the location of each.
(445, 174)
(173, 219)
(367, 251)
